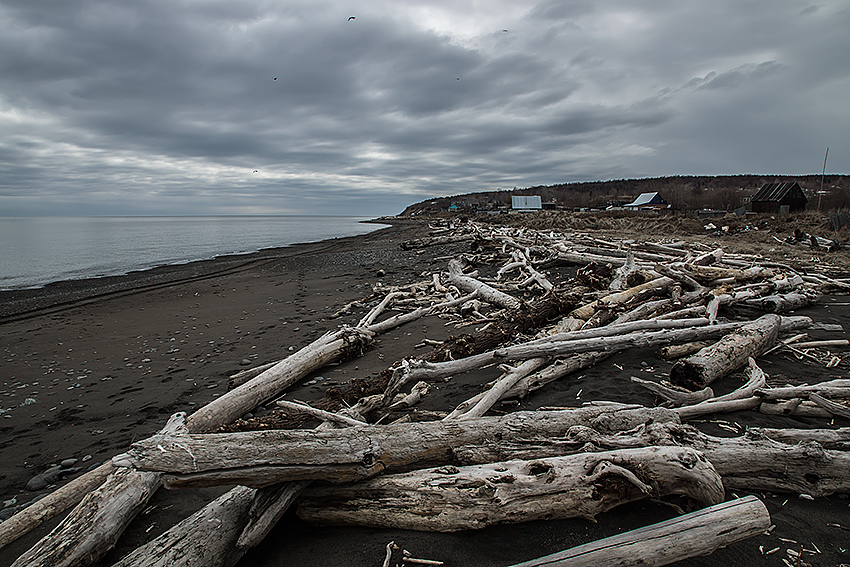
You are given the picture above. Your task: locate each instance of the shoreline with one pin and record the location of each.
(29, 301)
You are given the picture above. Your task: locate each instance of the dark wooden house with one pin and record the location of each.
(779, 197)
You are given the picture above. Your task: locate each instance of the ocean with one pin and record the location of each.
(35, 251)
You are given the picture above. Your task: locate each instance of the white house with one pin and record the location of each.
(526, 202)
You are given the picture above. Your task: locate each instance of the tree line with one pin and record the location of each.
(683, 193)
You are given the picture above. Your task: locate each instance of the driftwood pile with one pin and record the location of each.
(375, 461)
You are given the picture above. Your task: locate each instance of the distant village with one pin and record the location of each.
(704, 196)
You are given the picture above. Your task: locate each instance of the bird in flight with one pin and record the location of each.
(351, 18)
(275, 78)
(256, 171)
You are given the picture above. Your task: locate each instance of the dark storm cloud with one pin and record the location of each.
(168, 106)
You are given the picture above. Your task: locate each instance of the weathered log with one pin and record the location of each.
(319, 414)
(485, 292)
(555, 371)
(692, 535)
(797, 407)
(53, 504)
(585, 311)
(267, 507)
(240, 378)
(436, 241)
(644, 311)
(679, 275)
(677, 397)
(95, 524)
(832, 388)
(449, 499)
(329, 348)
(782, 303)
(498, 389)
(208, 537)
(726, 355)
(711, 407)
(750, 462)
(680, 351)
(410, 370)
(838, 439)
(834, 408)
(739, 399)
(707, 274)
(535, 381)
(403, 318)
(621, 274)
(261, 458)
(823, 344)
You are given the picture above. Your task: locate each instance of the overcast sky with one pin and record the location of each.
(363, 107)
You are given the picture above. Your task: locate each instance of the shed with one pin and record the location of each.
(779, 197)
(526, 202)
(648, 200)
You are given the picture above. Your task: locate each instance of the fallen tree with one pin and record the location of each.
(753, 461)
(726, 355)
(268, 457)
(452, 499)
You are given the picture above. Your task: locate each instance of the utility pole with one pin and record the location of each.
(820, 193)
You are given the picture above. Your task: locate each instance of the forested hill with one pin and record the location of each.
(725, 192)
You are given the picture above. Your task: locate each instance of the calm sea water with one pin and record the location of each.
(38, 250)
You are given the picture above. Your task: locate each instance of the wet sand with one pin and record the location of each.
(89, 367)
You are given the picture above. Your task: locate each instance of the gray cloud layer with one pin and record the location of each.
(163, 106)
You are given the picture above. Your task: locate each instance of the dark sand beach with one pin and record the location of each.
(89, 367)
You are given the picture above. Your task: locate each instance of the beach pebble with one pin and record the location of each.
(245, 362)
(40, 481)
(7, 513)
(67, 463)
(48, 477)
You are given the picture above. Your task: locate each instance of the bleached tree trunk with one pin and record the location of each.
(208, 537)
(750, 462)
(95, 524)
(726, 355)
(585, 311)
(782, 303)
(449, 498)
(235, 403)
(491, 396)
(691, 535)
(676, 397)
(838, 439)
(485, 292)
(837, 388)
(261, 458)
